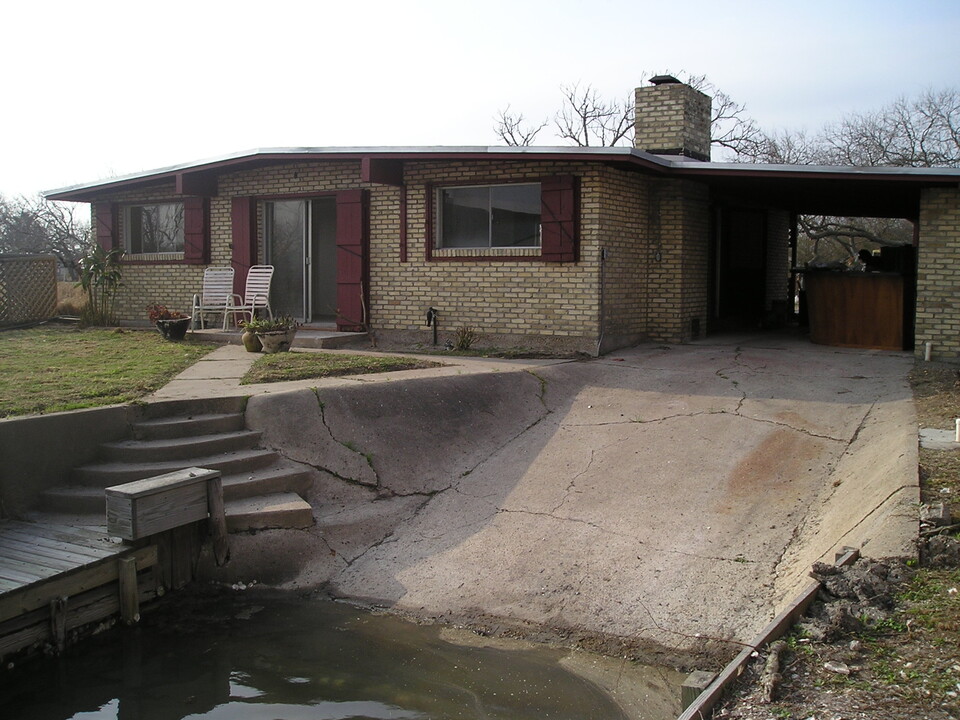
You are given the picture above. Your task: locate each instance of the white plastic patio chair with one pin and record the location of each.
(215, 296)
(256, 295)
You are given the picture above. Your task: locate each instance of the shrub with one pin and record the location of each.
(100, 274)
(465, 337)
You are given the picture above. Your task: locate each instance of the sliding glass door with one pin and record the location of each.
(301, 245)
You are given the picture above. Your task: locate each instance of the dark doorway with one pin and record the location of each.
(739, 269)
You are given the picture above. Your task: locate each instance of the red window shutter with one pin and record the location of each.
(352, 285)
(243, 218)
(107, 235)
(196, 230)
(559, 218)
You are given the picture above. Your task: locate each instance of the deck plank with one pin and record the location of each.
(27, 568)
(31, 553)
(101, 550)
(56, 545)
(58, 564)
(11, 573)
(62, 533)
(31, 597)
(50, 529)
(59, 551)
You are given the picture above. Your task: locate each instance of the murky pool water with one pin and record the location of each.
(268, 656)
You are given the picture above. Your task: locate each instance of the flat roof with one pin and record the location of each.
(764, 182)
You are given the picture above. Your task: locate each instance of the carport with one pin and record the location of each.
(753, 236)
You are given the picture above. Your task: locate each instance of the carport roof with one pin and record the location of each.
(814, 189)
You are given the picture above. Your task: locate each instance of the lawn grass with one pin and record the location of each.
(56, 367)
(281, 367)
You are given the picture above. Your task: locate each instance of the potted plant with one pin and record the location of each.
(249, 338)
(275, 335)
(172, 325)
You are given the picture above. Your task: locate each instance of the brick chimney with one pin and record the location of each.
(672, 118)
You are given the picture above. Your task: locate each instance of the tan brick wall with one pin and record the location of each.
(938, 274)
(626, 236)
(695, 288)
(672, 118)
(498, 296)
(162, 283)
(678, 280)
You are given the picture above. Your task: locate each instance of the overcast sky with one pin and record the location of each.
(96, 89)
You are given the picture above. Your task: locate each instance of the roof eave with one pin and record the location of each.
(194, 176)
(89, 192)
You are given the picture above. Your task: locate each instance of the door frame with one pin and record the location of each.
(351, 254)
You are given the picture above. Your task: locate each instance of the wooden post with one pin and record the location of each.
(58, 623)
(185, 550)
(129, 593)
(218, 520)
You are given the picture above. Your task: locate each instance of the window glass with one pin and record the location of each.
(515, 216)
(151, 229)
(490, 216)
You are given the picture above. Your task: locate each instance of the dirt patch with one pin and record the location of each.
(883, 638)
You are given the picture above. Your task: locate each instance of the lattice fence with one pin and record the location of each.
(28, 288)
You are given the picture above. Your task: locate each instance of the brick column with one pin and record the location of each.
(938, 274)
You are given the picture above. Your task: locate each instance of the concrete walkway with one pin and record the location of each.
(666, 498)
(218, 374)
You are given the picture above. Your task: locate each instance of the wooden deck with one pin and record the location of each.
(59, 582)
(55, 578)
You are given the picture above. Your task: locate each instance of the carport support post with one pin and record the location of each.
(794, 285)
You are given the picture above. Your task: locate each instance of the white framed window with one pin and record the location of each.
(155, 229)
(489, 216)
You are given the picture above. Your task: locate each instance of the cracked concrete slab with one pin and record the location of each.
(665, 497)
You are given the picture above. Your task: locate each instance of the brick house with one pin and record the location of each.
(584, 248)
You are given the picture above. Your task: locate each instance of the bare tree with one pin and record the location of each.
(511, 129)
(39, 226)
(730, 126)
(585, 118)
(829, 239)
(919, 132)
(922, 132)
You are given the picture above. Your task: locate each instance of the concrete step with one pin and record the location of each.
(239, 486)
(166, 409)
(278, 510)
(114, 473)
(307, 337)
(191, 426)
(259, 487)
(181, 448)
(292, 478)
(79, 499)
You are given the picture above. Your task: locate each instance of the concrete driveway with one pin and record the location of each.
(664, 499)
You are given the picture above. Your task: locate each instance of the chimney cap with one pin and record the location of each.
(665, 80)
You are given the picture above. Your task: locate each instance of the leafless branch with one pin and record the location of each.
(587, 119)
(39, 226)
(511, 130)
